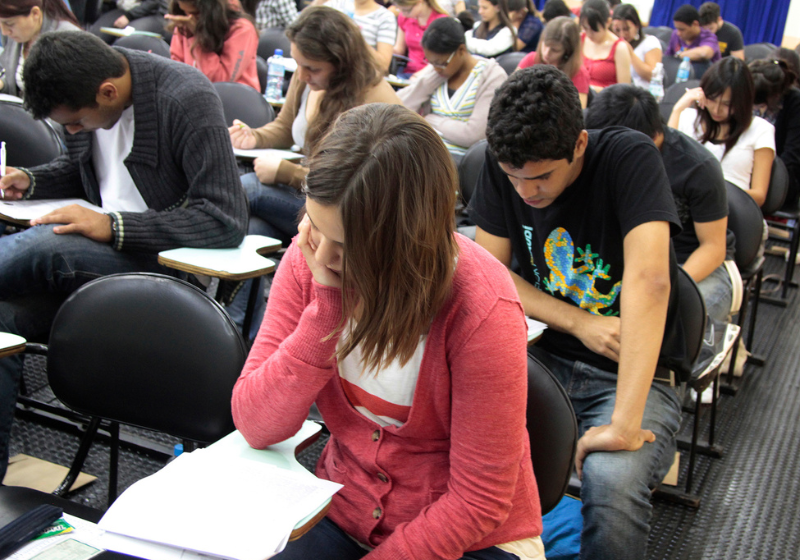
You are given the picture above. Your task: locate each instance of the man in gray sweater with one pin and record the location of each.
(148, 144)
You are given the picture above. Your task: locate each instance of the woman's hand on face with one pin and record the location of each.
(242, 136)
(693, 96)
(322, 274)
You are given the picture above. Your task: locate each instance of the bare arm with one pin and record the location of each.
(692, 96)
(738, 54)
(383, 55)
(711, 253)
(762, 170)
(400, 43)
(698, 53)
(645, 67)
(622, 62)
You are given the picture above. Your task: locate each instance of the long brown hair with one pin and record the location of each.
(214, 21)
(327, 35)
(53, 9)
(482, 30)
(730, 72)
(564, 31)
(394, 183)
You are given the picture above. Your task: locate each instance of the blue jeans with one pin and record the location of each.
(38, 270)
(273, 212)
(326, 541)
(717, 293)
(616, 486)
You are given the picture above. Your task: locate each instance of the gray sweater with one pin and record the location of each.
(181, 162)
(9, 59)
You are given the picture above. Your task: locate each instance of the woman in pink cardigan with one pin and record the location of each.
(215, 37)
(411, 340)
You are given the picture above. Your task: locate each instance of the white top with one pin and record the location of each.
(19, 74)
(737, 165)
(300, 123)
(448, 6)
(649, 43)
(384, 398)
(109, 150)
(379, 26)
(498, 44)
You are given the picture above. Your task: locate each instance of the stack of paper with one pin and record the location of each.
(214, 504)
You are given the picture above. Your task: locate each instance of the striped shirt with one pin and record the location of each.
(275, 13)
(459, 106)
(378, 26)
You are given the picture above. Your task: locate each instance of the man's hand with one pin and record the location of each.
(600, 334)
(14, 184)
(121, 22)
(266, 168)
(609, 438)
(77, 219)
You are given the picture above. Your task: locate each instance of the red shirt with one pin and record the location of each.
(457, 476)
(580, 79)
(602, 71)
(413, 32)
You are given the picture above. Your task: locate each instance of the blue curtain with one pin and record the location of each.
(760, 21)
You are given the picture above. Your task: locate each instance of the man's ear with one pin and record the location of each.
(107, 93)
(580, 145)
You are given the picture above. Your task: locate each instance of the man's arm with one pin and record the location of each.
(599, 334)
(711, 253)
(698, 53)
(643, 314)
(738, 54)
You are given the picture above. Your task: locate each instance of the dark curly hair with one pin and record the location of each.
(625, 105)
(535, 116)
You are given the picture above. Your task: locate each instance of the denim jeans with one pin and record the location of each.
(38, 270)
(326, 541)
(616, 486)
(273, 212)
(717, 293)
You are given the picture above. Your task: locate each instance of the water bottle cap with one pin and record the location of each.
(686, 59)
(177, 450)
(279, 52)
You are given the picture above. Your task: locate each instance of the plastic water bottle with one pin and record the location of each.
(684, 70)
(657, 82)
(275, 73)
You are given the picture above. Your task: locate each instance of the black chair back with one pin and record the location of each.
(699, 68)
(145, 43)
(273, 38)
(672, 94)
(778, 188)
(671, 65)
(692, 311)
(553, 434)
(261, 70)
(469, 169)
(758, 51)
(147, 350)
(663, 34)
(244, 103)
(510, 61)
(29, 142)
(746, 222)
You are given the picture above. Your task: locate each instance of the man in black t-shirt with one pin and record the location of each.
(588, 217)
(698, 188)
(731, 42)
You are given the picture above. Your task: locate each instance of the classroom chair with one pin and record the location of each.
(469, 170)
(244, 103)
(662, 33)
(29, 142)
(261, 69)
(784, 219)
(510, 61)
(671, 65)
(672, 94)
(757, 51)
(273, 38)
(145, 350)
(145, 43)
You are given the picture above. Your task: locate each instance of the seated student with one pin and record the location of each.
(555, 8)
(22, 21)
(698, 188)
(335, 72)
(378, 26)
(494, 34)
(216, 38)
(455, 90)
(606, 56)
(645, 50)
(411, 340)
(560, 46)
(690, 39)
(719, 115)
(414, 18)
(729, 37)
(594, 251)
(779, 104)
(144, 15)
(526, 20)
(792, 61)
(146, 142)
(275, 13)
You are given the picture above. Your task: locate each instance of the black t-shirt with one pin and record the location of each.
(573, 248)
(698, 187)
(730, 39)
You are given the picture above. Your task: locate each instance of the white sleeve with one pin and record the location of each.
(686, 123)
(500, 43)
(765, 134)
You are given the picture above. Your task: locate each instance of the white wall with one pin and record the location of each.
(791, 33)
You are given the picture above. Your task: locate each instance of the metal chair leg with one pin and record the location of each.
(80, 458)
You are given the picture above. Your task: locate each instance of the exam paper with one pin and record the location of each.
(259, 152)
(215, 504)
(29, 209)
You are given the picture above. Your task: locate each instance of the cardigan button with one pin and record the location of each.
(382, 477)
(376, 435)
(376, 513)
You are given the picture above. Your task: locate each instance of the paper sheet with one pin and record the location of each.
(253, 154)
(29, 209)
(535, 328)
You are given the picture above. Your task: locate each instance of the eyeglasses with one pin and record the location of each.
(444, 65)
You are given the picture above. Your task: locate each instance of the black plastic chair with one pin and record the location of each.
(261, 70)
(510, 61)
(663, 34)
(145, 350)
(469, 169)
(29, 142)
(553, 434)
(244, 103)
(273, 38)
(672, 94)
(146, 43)
(758, 51)
(774, 212)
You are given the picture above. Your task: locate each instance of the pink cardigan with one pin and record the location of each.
(237, 63)
(458, 475)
